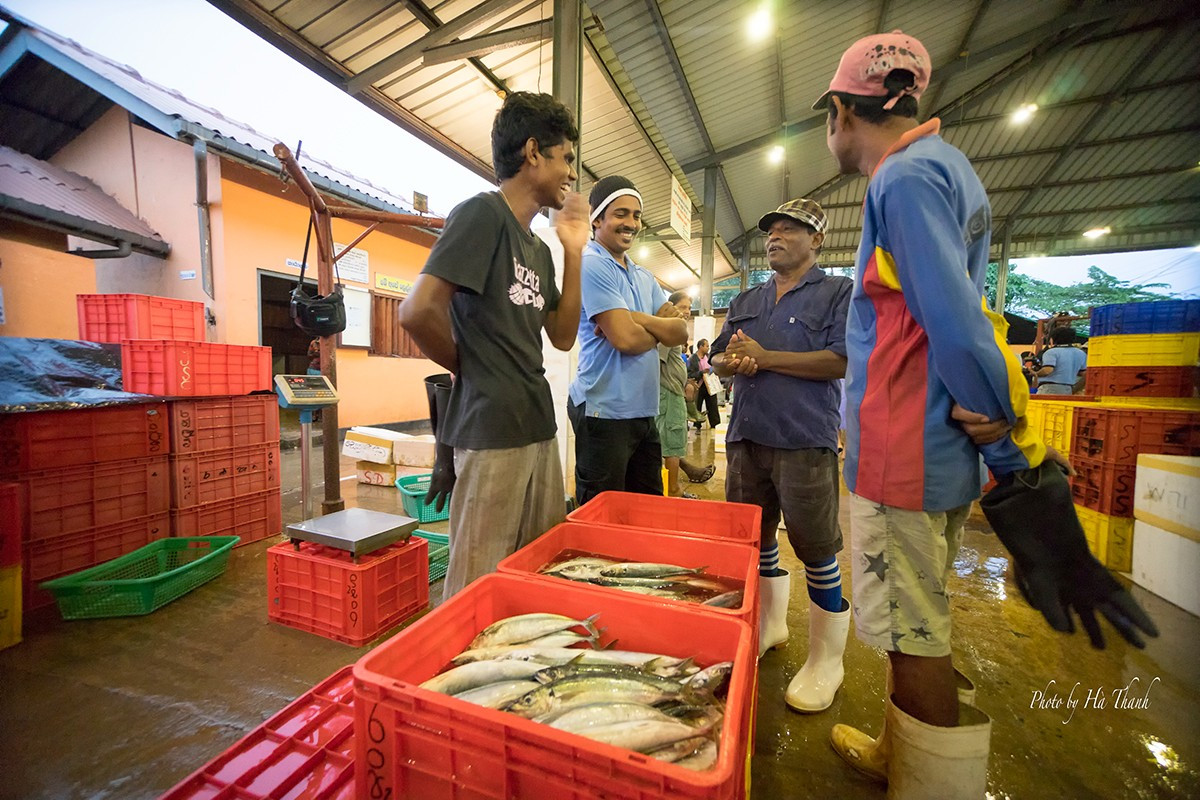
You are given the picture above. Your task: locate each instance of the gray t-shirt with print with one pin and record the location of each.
(505, 276)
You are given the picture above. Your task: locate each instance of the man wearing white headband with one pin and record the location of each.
(614, 397)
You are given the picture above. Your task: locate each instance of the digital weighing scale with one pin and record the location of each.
(355, 530)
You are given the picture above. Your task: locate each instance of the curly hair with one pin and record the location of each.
(526, 116)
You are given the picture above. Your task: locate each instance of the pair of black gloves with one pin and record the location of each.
(1032, 513)
(437, 389)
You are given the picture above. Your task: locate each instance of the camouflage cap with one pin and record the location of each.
(802, 210)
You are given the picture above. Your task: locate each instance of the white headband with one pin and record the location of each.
(618, 193)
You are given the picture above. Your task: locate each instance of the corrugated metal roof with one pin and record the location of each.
(40, 184)
(989, 57)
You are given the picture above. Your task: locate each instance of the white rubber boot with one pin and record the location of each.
(774, 593)
(813, 687)
(870, 755)
(929, 762)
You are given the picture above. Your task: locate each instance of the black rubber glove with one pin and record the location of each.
(437, 389)
(1032, 513)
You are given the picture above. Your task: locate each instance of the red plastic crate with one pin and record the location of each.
(71, 499)
(12, 523)
(321, 590)
(64, 555)
(710, 519)
(304, 751)
(1103, 486)
(194, 369)
(1119, 433)
(731, 560)
(1143, 381)
(218, 423)
(113, 317)
(412, 742)
(51, 439)
(253, 517)
(223, 474)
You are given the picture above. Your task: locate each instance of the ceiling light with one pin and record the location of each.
(643, 252)
(1024, 113)
(693, 291)
(1096, 233)
(758, 25)
(775, 154)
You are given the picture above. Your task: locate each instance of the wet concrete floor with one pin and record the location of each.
(126, 708)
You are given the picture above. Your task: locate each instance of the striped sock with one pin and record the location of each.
(768, 560)
(824, 581)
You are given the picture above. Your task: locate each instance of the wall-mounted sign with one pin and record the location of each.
(681, 211)
(388, 283)
(358, 318)
(353, 266)
(187, 274)
(421, 202)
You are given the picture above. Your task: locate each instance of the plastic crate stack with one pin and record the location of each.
(224, 470)
(1142, 370)
(91, 484)
(10, 564)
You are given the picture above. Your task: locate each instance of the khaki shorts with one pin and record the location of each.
(672, 423)
(901, 562)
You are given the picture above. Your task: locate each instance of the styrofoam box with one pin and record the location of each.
(370, 444)
(1167, 564)
(1166, 493)
(415, 451)
(376, 474)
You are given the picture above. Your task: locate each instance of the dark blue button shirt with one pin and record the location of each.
(778, 410)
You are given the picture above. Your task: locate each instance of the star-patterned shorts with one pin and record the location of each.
(901, 562)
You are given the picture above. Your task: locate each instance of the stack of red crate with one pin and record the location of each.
(225, 467)
(93, 483)
(224, 471)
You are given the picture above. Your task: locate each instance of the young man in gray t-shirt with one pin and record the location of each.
(478, 309)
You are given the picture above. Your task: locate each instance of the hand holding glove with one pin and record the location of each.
(437, 389)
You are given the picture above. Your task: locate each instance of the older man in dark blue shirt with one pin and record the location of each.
(784, 340)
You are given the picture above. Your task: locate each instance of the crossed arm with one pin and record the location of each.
(634, 332)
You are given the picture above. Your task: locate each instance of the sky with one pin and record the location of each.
(190, 46)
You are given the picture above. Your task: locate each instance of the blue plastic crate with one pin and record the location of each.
(1162, 316)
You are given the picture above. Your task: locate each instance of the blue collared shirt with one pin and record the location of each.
(615, 385)
(777, 410)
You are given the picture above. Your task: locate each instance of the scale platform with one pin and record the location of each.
(356, 530)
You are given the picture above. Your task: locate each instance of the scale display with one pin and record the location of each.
(305, 390)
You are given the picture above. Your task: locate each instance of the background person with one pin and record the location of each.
(1062, 363)
(698, 367)
(672, 411)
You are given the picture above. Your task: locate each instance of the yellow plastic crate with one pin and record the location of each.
(10, 606)
(1158, 403)
(1053, 419)
(1144, 350)
(1109, 538)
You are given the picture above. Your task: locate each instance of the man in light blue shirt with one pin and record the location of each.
(625, 316)
(1061, 364)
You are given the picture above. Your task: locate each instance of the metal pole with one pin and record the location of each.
(745, 259)
(567, 50)
(709, 221)
(1002, 269)
(305, 457)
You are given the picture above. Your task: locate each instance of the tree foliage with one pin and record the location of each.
(1038, 299)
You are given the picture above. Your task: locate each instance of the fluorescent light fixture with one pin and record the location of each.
(758, 24)
(1024, 113)
(1096, 233)
(693, 291)
(775, 154)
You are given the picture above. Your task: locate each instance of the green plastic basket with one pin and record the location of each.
(413, 489)
(439, 553)
(144, 580)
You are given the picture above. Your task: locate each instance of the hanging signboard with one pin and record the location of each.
(681, 211)
(390, 283)
(354, 265)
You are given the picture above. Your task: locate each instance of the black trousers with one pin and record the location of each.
(623, 455)
(708, 403)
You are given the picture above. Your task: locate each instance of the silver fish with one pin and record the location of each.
(526, 627)
(642, 569)
(579, 718)
(697, 754)
(642, 735)
(594, 561)
(556, 641)
(586, 689)
(650, 591)
(711, 678)
(703, 584)
(652, 583)
(576, 670)
(577, 572)
(480, 673)
(728, 600)
(498, 695)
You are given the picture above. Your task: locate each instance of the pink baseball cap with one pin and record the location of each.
(869, 60)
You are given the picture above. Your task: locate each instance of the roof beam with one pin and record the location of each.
(487, 43)
(1097, 114)
(964, 48)
(440, 34)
